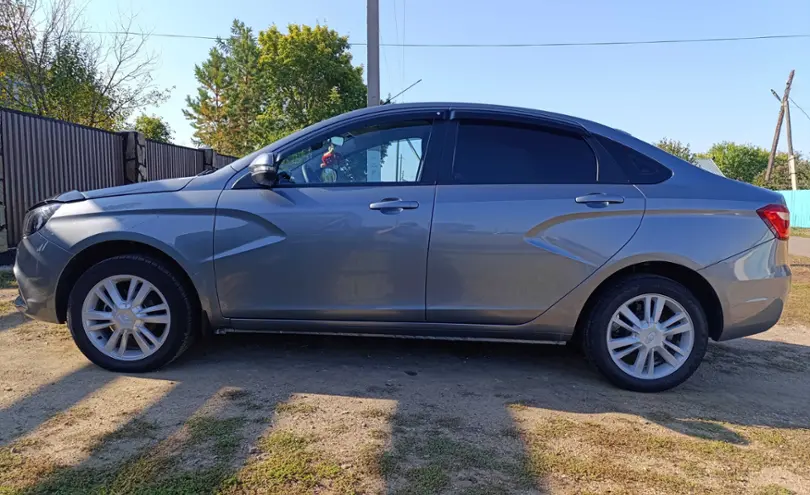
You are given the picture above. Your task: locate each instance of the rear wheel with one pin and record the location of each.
(647, 333)
(130, 313)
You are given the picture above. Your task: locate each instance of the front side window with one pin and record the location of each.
(488, 153)
(377, 154)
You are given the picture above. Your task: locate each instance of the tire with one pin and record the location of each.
(182, 316)
(599, 327)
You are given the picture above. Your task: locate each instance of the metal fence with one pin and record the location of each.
(167, 161)
(222, 160)
(798, 202)
(42, 157)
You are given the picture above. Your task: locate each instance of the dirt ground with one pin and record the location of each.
(271, 414)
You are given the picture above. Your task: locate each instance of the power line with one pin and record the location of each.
(800, 108)
(156, 35)
(599, 43)
(502, 45)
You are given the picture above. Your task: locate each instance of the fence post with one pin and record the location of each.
(208, 159)
(3, 207)
(134, 157)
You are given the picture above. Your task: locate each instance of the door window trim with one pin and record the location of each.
(431, 160)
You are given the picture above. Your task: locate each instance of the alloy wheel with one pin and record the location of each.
(650, 336)
(126, 317)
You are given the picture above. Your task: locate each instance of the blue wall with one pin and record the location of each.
(798, 202)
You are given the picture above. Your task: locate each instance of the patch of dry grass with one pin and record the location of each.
(799, 232)
(633, 456)
(797, 310)
(296, 408)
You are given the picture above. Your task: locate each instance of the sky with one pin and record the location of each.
(698, 93)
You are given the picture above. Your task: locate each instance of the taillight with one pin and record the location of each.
(777, 218)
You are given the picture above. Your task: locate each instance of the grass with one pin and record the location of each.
(426, 452)
(430, 453)
(574, 453)
(775, 490)
(224, 434)
(7, 307)
(296, 408)
(137, 428)
(799, 232)
(7, 280)
(797, 309)
(288, 464)
(376, 413)
(158, 469)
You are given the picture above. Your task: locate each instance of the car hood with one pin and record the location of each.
(166, 185)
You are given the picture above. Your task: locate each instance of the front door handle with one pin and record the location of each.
(600, 198)
(393, 204)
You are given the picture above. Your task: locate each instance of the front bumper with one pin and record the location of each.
(37, 269)
(752, 288)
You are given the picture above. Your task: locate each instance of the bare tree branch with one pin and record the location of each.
(52, 57)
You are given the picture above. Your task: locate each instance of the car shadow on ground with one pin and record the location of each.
(440, 389)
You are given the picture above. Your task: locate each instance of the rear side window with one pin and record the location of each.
(639, 168)
(488, 153)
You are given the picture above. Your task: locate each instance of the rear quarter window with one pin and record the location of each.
(500, 153)
(639, 168)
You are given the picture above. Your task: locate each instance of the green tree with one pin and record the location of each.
(780, 175)
(154, 128)
(254, 91)
(309, 78)
(742, 162)
(230, 95)
(678, 149)
(207, 111)
(245, 91)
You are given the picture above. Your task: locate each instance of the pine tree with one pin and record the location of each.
(207, 111)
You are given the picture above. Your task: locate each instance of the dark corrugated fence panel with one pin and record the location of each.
(222, 160)
(45, 157)
(167, 161)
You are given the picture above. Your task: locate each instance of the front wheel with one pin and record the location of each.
(131, 313)
(647, 333)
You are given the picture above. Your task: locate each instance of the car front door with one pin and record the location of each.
(344, 238)
(521, 220)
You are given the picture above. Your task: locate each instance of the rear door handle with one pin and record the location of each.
(600, 198)
(393, 204)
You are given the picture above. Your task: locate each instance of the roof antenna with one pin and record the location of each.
(388, 100)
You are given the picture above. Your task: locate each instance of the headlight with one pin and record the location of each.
(38, 217)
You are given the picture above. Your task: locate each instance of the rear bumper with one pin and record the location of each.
(752, 288)
(37, 268)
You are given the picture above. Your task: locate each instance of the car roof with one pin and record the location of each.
(394, 108)
(495, 110)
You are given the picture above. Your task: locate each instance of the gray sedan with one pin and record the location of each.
(452, 221)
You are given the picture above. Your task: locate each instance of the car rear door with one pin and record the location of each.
(348, 241)
(520, 219)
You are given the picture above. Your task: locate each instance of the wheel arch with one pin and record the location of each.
(100, 251)
(689, 278)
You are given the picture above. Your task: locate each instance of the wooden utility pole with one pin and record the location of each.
(778, 127)
(791, 158)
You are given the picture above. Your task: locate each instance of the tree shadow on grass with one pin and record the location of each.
(453, 426)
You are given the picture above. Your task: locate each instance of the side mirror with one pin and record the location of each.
(264, 170)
